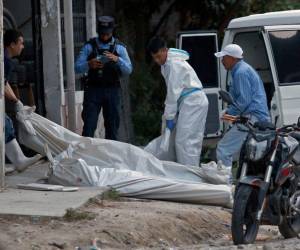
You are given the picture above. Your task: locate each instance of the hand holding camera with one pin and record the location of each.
(111, 56)
(95, 64)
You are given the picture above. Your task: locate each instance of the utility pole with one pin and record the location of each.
(69, 44)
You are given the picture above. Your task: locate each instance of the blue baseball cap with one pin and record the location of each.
(105, 24)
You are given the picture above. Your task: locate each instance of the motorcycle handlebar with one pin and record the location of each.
(235, 119)
(284, 131)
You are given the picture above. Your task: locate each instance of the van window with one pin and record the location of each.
(201, 49)
(286, 51)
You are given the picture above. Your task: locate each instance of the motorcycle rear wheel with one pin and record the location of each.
(286, 230)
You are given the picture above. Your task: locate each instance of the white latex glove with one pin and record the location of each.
(19, 106)
(163, 124)
(165, 141)
(23, 117)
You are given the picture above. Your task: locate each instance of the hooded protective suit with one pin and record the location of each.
(187, 103)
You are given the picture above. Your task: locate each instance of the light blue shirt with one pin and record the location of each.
(81, 64)
(248, 92)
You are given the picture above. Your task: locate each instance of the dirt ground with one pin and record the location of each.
(132, 224)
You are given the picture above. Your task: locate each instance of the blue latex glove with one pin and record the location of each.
(170, 124)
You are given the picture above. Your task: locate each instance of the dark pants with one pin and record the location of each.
(9, 129)
(109, 100)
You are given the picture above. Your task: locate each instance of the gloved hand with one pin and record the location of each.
(170, 124)
(163, 124)
(19, 106)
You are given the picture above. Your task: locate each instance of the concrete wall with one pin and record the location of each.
(90, 19)
(52, 60)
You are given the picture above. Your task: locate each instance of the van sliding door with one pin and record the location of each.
(284, 54)
(201, 46)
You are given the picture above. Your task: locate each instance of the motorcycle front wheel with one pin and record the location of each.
(244, 226)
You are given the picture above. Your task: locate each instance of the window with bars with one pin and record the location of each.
(79, 32)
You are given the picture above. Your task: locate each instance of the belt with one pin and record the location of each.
(187, 92)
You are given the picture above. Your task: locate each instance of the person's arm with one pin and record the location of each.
(173, 79)
(82, 65)
(9, 93)
(123, 60)
(243, 94)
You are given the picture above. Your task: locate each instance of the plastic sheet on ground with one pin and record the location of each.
(82, 161)
(163, 147)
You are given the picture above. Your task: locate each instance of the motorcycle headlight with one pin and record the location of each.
(256, 150)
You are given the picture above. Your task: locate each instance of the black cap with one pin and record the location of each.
(105, 24)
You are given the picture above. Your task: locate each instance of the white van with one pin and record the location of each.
(271, 45)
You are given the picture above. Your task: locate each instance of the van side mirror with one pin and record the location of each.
(226, 97)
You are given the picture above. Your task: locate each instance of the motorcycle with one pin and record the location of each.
(267, 189)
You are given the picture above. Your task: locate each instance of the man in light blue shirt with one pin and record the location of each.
(106, 61)
(248, 93)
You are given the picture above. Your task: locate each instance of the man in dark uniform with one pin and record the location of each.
(106, 60)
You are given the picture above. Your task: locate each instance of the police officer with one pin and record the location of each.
(106, 60)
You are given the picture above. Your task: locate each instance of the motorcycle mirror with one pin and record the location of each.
(226, 97)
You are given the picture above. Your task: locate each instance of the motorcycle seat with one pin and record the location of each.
(295, 135)
(263, 126)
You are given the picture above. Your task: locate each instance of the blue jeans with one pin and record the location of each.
(109, 100)
(9, 129)
(230, 145)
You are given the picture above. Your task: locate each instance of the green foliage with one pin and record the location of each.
(273, 5)
(207, 153)
(111, 194)
(75, 215)
(147, 95)
(259, 6)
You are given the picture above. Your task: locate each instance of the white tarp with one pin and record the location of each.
(163, 147)
(81, 161)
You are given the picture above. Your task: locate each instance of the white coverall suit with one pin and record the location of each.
(187, 103)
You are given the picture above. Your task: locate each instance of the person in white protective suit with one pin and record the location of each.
(186, 103)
